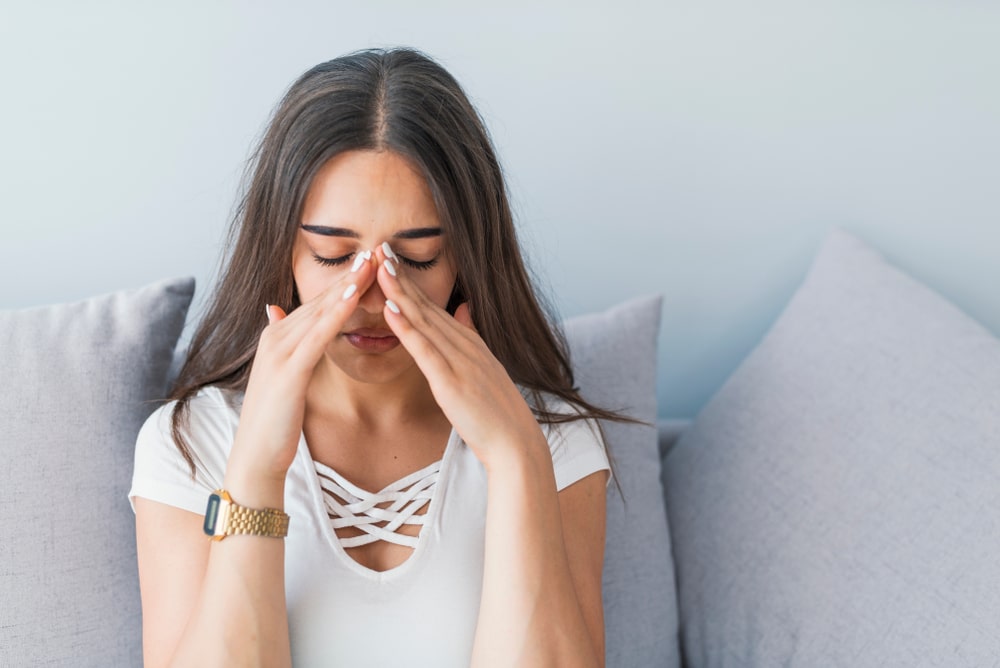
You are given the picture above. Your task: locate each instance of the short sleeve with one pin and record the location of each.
(160, 471)
(577, 451)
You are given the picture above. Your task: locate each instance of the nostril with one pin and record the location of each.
(373, 293)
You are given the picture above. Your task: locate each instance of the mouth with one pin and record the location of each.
(372, 340)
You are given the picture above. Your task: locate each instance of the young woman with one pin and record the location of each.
(375, 409)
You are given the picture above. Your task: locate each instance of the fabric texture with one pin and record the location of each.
(837, 502)
(78, 382)
(340, 612)
(614, 359)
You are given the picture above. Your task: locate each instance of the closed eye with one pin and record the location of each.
(419, 265)
(344, 259)
(332, 261)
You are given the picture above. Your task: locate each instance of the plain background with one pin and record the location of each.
(698, 150)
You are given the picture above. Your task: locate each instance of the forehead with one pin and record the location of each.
(369, 191)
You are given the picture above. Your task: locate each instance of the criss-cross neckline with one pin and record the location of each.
(360, 508)
(428, 520)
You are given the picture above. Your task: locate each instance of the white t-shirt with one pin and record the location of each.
(340, 613)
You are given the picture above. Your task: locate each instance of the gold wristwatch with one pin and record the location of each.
(225, 518)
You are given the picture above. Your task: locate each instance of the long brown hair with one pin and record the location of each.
(398, 100)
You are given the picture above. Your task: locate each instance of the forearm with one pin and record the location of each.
(241, 617)
(529, 614)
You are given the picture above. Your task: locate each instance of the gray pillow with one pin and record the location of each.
(614, 359)
(837, 502)
(78, 382)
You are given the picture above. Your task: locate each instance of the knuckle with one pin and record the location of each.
(267, 337)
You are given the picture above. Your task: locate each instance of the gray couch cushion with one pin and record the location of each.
(78, 382)
(614, 358)
(837, 503)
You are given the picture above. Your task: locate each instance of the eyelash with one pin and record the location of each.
(337, 261)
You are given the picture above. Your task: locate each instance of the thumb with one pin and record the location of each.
(274, 313)
(464, 315)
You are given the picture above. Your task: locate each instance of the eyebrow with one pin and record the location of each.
(413, 233)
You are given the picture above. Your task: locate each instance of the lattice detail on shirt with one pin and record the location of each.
(350, 506)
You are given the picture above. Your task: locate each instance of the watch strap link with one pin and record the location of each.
(265, 522)
(224, 517)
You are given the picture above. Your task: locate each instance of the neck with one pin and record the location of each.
(335, 395)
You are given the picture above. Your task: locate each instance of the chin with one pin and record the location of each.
(377, 369)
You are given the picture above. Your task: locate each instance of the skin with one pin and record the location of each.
(222, 603)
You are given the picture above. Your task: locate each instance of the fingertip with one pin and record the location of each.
(387, 275)
(274, 313)
(463, 314)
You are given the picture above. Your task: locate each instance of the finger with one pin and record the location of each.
(274, 313)
(419, 307)
(427, 317)
(295, 324)
(418, 332)
(430, 358)
(330, 315)
(388, 275)
(361, 276)
(463, 314)
(452, 337)
(314, 324)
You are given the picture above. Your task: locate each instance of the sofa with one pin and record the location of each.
(835, 503)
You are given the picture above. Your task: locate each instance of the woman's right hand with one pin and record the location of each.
(289, 349)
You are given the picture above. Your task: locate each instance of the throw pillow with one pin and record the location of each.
(837, 502)
(78, 382)
(614, 360)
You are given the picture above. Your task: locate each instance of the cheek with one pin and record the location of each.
(437, 286)
(309, 279)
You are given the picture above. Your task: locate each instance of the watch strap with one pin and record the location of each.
(237, 519)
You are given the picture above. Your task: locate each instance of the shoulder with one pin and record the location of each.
(211, 408)
(207, 427)
(569, 419)
(576, 443)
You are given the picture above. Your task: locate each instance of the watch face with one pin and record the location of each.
(212, 513)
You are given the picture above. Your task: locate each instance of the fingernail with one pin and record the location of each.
(392, 305)
(267, 312)
(358, 261)
(351, 289)
(367, 255)
(388, 251)
(389, 268)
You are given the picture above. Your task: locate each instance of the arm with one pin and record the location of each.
(211, 603)
(208, 603)
(541, 601)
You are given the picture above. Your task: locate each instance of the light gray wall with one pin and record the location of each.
(698, 150)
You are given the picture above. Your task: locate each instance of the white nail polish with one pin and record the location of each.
(267, 312)
(389, 268)
(358, 261)
(392, 305)
(351, 289)
(367, 255)
(387, 249)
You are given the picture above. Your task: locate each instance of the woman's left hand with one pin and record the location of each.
(469, 384)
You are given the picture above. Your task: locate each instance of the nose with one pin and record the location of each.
(373, 299)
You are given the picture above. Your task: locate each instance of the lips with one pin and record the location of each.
(373, 340)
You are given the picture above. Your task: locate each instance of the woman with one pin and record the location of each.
(374, 329)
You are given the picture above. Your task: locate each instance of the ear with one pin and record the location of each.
(464, 315)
